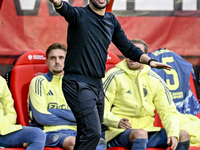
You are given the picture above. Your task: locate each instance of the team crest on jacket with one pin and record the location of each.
(145, 92)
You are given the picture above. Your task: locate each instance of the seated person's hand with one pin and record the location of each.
(125, 124)
(172, 142)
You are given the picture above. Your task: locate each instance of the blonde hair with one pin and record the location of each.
(139, 41)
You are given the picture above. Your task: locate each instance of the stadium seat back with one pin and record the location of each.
(112, 60)
(27, 66)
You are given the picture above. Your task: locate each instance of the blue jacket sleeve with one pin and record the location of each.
(63, 113)
(49, 119)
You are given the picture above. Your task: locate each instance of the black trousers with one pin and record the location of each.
(87, 105)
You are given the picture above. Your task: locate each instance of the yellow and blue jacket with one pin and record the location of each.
(135, 95)
(48, 108)
(8, 114)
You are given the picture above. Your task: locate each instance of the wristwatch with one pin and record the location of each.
(152, 59)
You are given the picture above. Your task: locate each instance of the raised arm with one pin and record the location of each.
(129, 50)
(56, 2)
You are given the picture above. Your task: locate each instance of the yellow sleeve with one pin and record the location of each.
(167, 110)
(110, 89)
(8, 114)
(37, 96)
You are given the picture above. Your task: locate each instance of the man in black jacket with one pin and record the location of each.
(90, 31)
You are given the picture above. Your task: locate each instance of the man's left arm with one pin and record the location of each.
(63, 113)
(167, 110)
(132, 52)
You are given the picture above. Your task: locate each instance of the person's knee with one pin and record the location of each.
(69, 142)
(37, 138)
(138, 134)
(184, 141)
(38, 135)
(184, 136)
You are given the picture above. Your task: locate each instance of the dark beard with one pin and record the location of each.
(97, 6)
(59, 71)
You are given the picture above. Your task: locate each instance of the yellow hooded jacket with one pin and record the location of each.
(135, 95)
(8, 114)
(191, 124)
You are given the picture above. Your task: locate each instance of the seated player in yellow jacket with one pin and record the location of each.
(133, 92)
(191, 124)
(48, 108)
(11, 134)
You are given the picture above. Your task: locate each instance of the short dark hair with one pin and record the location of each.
(139, 41)
(55, 46)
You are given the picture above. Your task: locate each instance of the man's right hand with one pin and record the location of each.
(124, 124)
(172, 142)
(56, 2)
